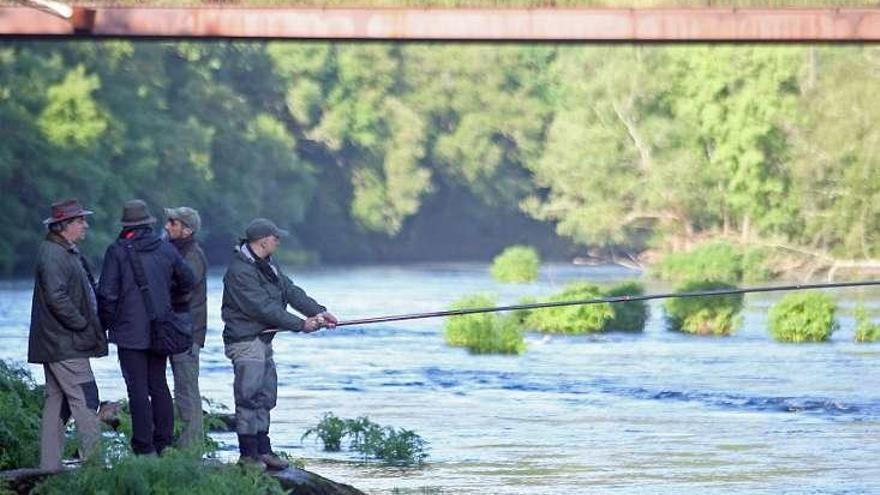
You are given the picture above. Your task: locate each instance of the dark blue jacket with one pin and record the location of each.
(120, 303)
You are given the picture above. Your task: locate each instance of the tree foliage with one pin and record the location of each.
(631, 147)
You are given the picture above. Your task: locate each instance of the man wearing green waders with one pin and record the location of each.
(256, 294)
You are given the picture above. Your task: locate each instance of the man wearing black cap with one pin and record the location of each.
(124, 312)
(256, 294)
(65, 333)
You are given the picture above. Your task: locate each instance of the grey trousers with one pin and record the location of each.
(70, 391)
(255, 386)
(187, 398)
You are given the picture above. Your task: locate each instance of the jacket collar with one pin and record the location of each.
(61, 241)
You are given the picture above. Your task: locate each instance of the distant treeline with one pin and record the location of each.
(411, 151)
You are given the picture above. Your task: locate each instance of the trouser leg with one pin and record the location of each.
(160, 399)
(187, 397)
(254, 376)
(269, 400)
(52, 427)
(134, 370)
(76, 382)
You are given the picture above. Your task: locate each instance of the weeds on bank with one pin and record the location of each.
(803, 317)
(21, 403)
(371, 440)
(715, 260)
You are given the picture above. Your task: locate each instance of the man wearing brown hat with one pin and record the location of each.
(256, 294)
(181, 226)
(65, 332)
(141, 268)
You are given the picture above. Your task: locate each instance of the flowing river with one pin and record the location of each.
(658, 412)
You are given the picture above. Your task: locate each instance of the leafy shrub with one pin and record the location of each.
(329, 430)
(803, 317)
(174, 472)
(704, 315)
(516, 264)
(628, 316)
(21, 403)
(371, 440)
(715, 261)
(484, 333)
(865, 330)
(582, 318)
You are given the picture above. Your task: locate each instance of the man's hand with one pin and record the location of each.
(312, 324)
(329, 320)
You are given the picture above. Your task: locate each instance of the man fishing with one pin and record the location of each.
(256, 294)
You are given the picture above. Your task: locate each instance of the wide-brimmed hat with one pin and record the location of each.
(136, 212)
(262, 227)
(185, 215)
(64, 210)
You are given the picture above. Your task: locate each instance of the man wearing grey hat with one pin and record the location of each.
(65, 332)
(181, 226)
(256, 294)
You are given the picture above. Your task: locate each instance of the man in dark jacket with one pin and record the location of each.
(65, 333)
(256, 294)
(181, 225)
(124, 314)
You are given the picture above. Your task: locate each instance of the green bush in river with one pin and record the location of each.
(803, 317)
(484, 333)
(628, 316)
(866, 331)
(21, 410)
(704, 315)
(715, 261)
(174, 472)
(371, 440)
(516, 264)
(584, 318)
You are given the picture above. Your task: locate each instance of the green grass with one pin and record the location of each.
(580, 319)
(803, 317)
(174, 472)
(371, 440)
(866, 331)
(628, 316)
(517, 265)
(705, 315)
(21, 403)
(484, 333)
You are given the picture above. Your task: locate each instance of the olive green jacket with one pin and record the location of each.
(64, 317)
(253, 303)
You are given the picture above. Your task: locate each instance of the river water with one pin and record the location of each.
(658, 412)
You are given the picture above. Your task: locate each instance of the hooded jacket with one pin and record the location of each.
(120, 302)
(253, 302)
(64, 320)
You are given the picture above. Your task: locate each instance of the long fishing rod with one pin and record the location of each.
(598, 300)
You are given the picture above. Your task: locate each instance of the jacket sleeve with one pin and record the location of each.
(199, 265)
(298, 298)
(109, 288)
(244, 289)
(182, 280)
(53, 280)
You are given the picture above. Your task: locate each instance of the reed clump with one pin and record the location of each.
(516, 265)
(803, 317)
(705, 315)
(484, 333)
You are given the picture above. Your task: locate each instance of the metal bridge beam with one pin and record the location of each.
(472, 24)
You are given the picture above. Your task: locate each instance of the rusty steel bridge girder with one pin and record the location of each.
(451, 24)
